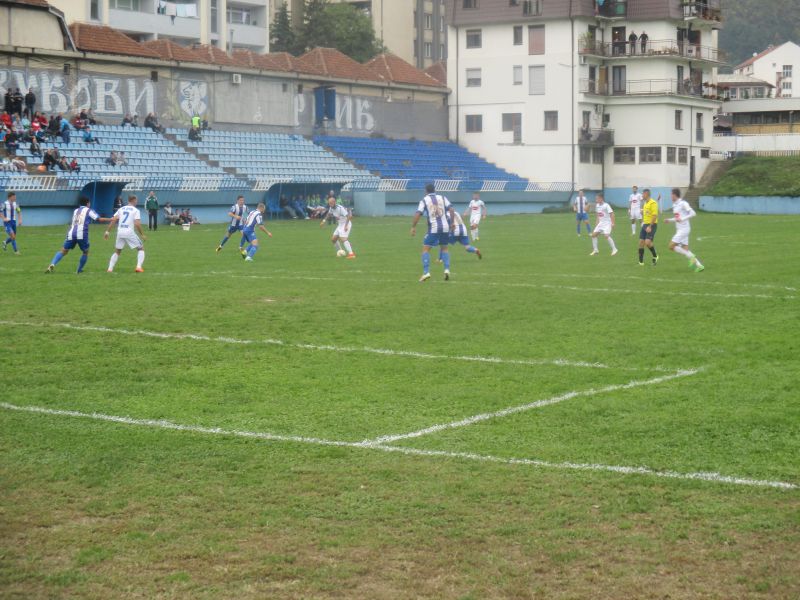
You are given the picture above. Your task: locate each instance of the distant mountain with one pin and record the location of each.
(752, 25)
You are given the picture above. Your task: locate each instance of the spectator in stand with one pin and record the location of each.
(17, 100)
(74, 167)
(135, 120)
(17, 164)
(88, 136)
(35, 149)
(196, 121)
(5, 119)
(194, 134)
(11, 142)
(30, 103)
(49, 160)
(151, 122)
(127, 121)
(122, 160)
(64, 130)
(186, 217)
(88, 116)
(17, 127)
(204, 125)
(299, 206)
(79, 123)
(41, 119)
(112, 159)
(63, 163)
(7, 104)
(26, 126)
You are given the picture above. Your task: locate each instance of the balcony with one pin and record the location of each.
(598, 138)
(652, 49)
(644, 87)
(704, 10)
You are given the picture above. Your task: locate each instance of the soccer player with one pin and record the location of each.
(78, 234)
(255, 218)
(344, 224)
(580, 208)
(12, 216)
(439, 213)
(680, 241)
(635, 208)
(605, 224)
(649, 226)
(477, 211)
(237, 214)
(129, 223)
(458, 235)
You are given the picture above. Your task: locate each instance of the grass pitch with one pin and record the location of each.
(654, 453)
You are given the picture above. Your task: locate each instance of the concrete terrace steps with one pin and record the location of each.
(712, 175)
(200, 156)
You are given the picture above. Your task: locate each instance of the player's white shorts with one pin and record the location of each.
(603, 229)
(475, 218)
(343, 231)
(129, 238)
(681, 238)
(635, 213)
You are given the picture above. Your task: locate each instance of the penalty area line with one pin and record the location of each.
(270, 437)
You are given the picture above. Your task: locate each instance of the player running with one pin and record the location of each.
(129, 223)
(649, 226)
(255, 218)
(344, 224)
(237, 214)
(439, 213)
(78, 234)
(580, 206)
(12, 216)
(477, 211)
(635, 208)
(605, 224)
(458, 235)
(680, 241)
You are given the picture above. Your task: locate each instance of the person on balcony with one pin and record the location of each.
(643, 39)
(632, 40)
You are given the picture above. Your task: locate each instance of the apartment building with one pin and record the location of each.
(776, 65)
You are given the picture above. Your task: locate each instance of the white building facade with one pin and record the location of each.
(778, 66)
(558, 90)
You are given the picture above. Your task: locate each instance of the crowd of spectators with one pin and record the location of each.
(300, 207)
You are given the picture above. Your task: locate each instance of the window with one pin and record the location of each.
(474, 123)
(786, 85)
(597, 156)
(619, 82)
(473, 78)
(513, 122)
(536, 80)
(585, 154)
(532, 8)
(699, 129)
(551, 120)
(758, 92)
(679, 119)
(473, 38)
(683, 156)
(787, 71)
(442, 51)
(124, 4)
(441, 23)
(671, 152)
(214, 16)
(517, 74)
(470, 4)
(705, 153)
(536, 39)
(428, 21)
(513, 2)
(625, 156)
(239, 16)
(94, 10)
(649, 154)
(427, 49)
(733, 93)
(518, 35)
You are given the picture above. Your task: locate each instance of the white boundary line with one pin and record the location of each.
(557, 362)
(389, 439)
(568, 466)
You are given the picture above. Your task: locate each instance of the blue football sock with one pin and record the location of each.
(588, 229)
(59, 255)
(440, 254)
(225, 239)
(82, 262)
(471, 249)
(251, 251)
(446, 259)
(579, 227)
(426, 262)
(14, 245)
(241, 243)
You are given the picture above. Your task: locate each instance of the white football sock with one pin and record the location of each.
(633, 228)
(112, 263)
(139, 259)
(348, 247)
(680, 250)
(612, 244)
(337, 244)
(594, 244)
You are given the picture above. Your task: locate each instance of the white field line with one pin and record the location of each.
(389, 439)
(557, 362)
(568, 466)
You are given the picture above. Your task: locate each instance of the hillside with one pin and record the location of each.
(760, 176)
(752, 25)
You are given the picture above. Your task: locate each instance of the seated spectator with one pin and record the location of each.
(88, 116)
(299, 206)
(122, 160)
(287, 208)
(11, 142)
(169, 214)
(127, 121)
(204, 125)
(79, 123)
(135, 120)
(112, 159)
(186, 217)
(194, 134)
(88, 136)
(5, 118)
(63, 163)
(17, 164)
(53, 126)
(65, 131)
(40, 136)
(35, 149)
(151, 122)
(74, 167)
(39, 118)
(49, 160)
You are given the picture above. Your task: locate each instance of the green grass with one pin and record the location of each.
(760, 176)
(96, 509)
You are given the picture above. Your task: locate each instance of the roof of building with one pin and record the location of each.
(758, 56)
(329, 62)
(438, 71)
(726, 80)
(276, 61)
(105, 40)
(169, 50)
(393, 68)
(213, 55)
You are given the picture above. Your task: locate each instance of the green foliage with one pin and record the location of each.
(760, 176)
(282, 34)
(340, 26)
(752, 25)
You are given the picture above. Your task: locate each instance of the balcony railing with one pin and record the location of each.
(642, 87)
(652, 48)
(708, 10)
(595, 137)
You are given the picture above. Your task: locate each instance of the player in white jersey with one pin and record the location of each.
(344, 224)
(78, 234)
(477, 211)
(129, 224)
(605, 224)
(458, 235)
(635, 208)
(439, 213)
(12, 216)
(683, 212)
(255, 218)
(237, 213)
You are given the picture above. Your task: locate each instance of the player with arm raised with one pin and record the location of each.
(477, 211)
(344, 224)
(683, 212)
(254, 219)
(237, 213)
(605, 224)
(439, 213)
(129, 224)
(78, 234)
(635, 208)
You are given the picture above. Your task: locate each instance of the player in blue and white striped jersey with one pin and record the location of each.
(78, 234)
(439, 213)
(458, 235)
(237, 213)
(12, 216)
(255, 218)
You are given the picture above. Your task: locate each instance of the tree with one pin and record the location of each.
(313, 32)
(282, 37)
(340, 26)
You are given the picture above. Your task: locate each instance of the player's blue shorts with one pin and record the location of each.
(11, 226)
(249, 235)
(582, 216)
(461, 239)
(82, 244)
(436, 239)
(234, 228)
(643, 235)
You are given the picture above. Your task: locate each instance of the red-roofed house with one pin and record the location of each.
(329, 62)
(776, 65)
(104, 40)
(393, 68)
(169, 50)
(213, 55)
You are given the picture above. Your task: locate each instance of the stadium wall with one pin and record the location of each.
(751, 205)
(386, 204)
